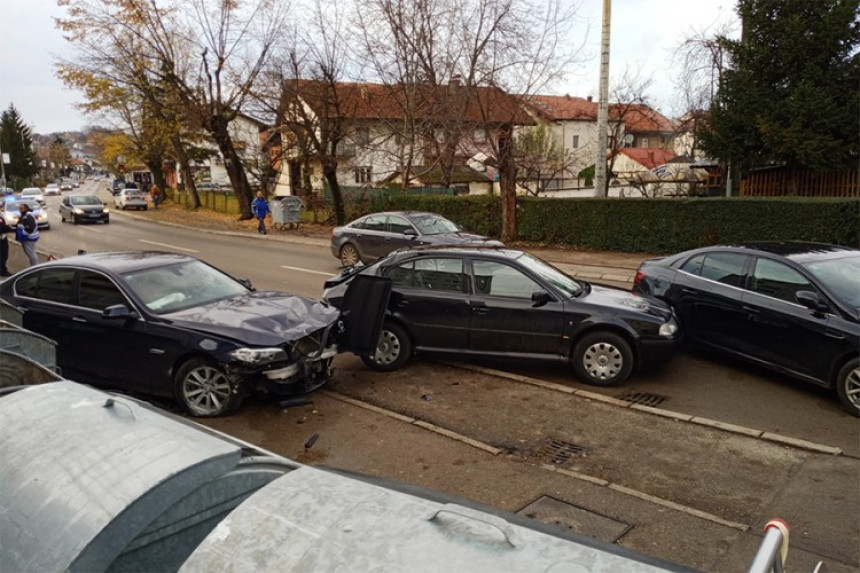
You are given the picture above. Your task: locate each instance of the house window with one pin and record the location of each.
(440, 136)
(362, 136)
(574, 143)
(480, 136)
(363, 174)
(644, 142)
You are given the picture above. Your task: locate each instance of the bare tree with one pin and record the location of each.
(203, 55)
(540, 159)
(631, 103)
(514, 46)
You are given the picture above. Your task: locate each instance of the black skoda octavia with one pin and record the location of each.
(504, 303)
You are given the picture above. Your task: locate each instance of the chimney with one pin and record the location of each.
(589, 98)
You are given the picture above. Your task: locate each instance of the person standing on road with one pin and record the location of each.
(4, 248)
(260, 208)
(27, 233)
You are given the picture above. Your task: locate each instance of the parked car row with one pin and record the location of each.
(792, 307)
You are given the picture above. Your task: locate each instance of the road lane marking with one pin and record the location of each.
(308, 271)
(168, 246)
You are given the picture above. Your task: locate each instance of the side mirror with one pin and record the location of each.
(410, 232)
(811, 300)
(118, 311)
(540, 298)
(246, 283)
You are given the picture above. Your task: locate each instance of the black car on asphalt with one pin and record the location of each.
(83, 209)
(504, 303)
(793, 307)
(373, 236)
(171, 325)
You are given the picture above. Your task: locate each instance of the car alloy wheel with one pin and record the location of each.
(603, 359)
(204, 390)
(848, 386)
(349, 255)
(393, 349)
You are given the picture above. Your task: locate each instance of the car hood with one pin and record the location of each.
(258, 318)
(623, 300)
(458, 238)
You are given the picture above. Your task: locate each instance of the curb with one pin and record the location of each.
(701, 421)
(691, 511)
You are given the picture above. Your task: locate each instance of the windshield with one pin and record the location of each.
(85, 200)
(16, 205)
(840, 276)
(429, 225)
(184, 285)
(564, 283)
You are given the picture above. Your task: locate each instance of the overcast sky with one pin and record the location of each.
(643, 34)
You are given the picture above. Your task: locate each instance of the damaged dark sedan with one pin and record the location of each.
(170, 325)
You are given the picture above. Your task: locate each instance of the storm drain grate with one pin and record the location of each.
(643, 398)
(559, 452)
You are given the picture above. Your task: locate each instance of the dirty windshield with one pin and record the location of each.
(434, 225)
(85, 200)
(174, 287)
(566, 284)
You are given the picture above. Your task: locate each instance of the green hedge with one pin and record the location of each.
(647, 225)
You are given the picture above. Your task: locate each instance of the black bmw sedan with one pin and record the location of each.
(504, 303)
(793, 307)
(171, 325)
(373, 236)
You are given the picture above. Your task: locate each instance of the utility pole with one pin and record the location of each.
(603, 105)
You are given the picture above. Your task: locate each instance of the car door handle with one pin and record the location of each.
(750, 309)
(402, 303)
(78, 319)
(482, 310)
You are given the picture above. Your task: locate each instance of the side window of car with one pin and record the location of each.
(777, 280)
(402, 276)
(442, 274)
(398, 224)
(98, 292)
(55, 285)
(694, 265)
(497, 279)
(375, 223)
(725, 268)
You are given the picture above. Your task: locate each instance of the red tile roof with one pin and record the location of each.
(648, 157)
(560, 108)
(640, 118)
(480, 104)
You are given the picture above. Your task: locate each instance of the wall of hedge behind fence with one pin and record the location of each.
(647, 225)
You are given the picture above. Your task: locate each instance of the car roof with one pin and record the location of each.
(798, 251)
(122, 261)
(406, 214)
(31, 189)
(462, 249)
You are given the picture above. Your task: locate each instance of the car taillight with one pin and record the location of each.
(639, 278)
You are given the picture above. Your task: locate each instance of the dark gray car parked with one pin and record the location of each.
(374, 236)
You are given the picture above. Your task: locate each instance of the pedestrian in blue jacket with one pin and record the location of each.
(260, 208)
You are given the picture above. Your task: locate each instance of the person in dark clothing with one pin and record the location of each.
(4, 248)
(27, 233)
(260, 208)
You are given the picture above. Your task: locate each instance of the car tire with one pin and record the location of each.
(107, 221)
(62, 218)
(349, 255)
(393, 350)
(204, 390)
(602, 359)
(75, 220)
(848, 386)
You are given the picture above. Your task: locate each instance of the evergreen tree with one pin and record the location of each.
(791, 94)
(16, 140)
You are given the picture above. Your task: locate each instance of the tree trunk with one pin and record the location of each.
(234, 166)
(507, 185)
(330, 174)
(187, 175)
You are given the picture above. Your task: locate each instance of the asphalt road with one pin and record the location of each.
(697, 494)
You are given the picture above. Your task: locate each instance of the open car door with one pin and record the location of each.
(364, 306)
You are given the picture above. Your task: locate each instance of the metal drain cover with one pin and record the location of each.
(643, 398)
(560, 452)
(567, 516)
